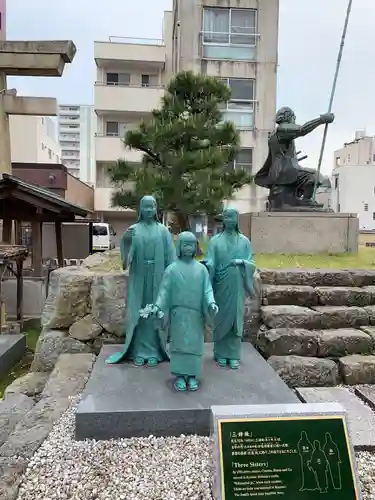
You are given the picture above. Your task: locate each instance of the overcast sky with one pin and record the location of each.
(310, 33)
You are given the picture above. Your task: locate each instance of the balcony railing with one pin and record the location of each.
(136, 41)
(126, 85)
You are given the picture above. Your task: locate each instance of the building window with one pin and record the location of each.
(121, 79)
(365, 207)
(49, 153)
(115, 129)
(145, 80)
(243, 160)
(240, 108)
(338, 161)
(230, 34)
(336, 181)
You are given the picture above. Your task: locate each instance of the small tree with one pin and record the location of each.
(187, 149)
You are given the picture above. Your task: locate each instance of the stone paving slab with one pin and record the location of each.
(13, 409)
(12, 350)
(361, 418)
(122, 400)
(366, 393)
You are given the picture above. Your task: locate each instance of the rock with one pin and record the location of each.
(253, 304)
(290, 317)
(67, 380)
(297, 371)
(103, 262)
(11, 474)
(370, 310)
(287, 341)
(370, 330)
(357, 369)
(108, 301)
(344, 341)
(85, 329)
(104, 339)
(342, 316)
(13, 408)
(68, 297)
(31, 384)
(51, 344)
(363, 277)
(290, 295)
(308, 277)
(344, 296)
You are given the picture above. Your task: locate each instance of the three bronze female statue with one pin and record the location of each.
(173, 296)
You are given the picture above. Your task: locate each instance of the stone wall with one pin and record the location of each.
(318, 327)
(86, 308)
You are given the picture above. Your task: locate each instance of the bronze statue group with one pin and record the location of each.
(173, 296)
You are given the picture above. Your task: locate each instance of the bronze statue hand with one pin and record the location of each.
(130, 232)
(327, 117)
(236, 262)
(213, 308)
(156, 311)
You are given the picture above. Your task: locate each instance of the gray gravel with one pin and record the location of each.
(132, 469)
(126, 469)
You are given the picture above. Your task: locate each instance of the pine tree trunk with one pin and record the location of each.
(182, 221)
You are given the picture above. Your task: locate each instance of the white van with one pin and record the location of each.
(102, 237)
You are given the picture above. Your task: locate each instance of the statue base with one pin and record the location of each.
(301, 208)
(301, 232)
(124, 401)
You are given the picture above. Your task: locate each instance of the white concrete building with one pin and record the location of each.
(237, 43)
(77, 128)
(34, 140)
(353, 179)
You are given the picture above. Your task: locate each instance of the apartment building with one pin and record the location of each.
(353, 179)
(33, 139)
(237, 42)
(77, 128)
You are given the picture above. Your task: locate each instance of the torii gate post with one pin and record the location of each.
(22, 58)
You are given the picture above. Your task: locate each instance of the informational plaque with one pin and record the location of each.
(291, 452)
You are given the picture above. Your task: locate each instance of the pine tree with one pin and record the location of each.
(187, 149)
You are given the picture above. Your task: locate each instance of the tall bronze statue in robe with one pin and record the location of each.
(291, 186)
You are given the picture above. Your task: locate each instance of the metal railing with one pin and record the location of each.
(131, 85)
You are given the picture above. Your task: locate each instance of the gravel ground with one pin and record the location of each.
(126, 469)
(132, 469)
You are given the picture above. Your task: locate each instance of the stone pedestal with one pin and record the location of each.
(301, 232)
(12, 350)
(122, 401)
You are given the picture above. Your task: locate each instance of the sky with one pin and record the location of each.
(309, 38)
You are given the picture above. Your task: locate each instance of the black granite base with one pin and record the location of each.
(12, 350)
(122, 401)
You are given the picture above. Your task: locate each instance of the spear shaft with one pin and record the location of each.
(333, 91)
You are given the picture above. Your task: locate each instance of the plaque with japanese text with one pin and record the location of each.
(295, 458)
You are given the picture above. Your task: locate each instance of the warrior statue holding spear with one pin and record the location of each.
(291, 186)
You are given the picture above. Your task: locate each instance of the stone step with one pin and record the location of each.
(317, 317)
(316, 343)
(12, 350)
(300, 295)
(298, 371)
(357, 369)
(318, 277)
(361, 418)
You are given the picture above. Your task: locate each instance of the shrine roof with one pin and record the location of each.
(12, 187)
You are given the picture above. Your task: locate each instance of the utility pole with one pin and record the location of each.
(333, 91)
